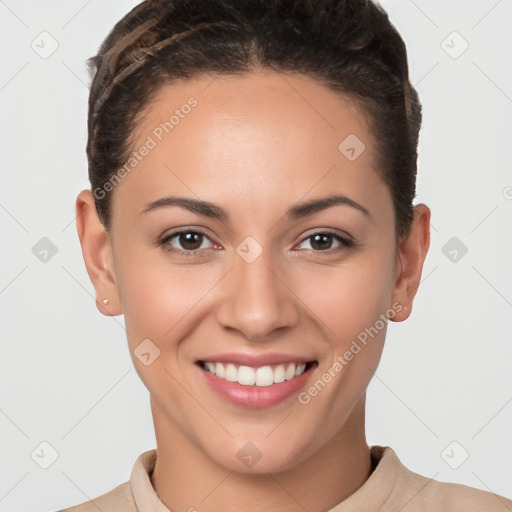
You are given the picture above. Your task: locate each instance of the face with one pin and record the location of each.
(224, 250)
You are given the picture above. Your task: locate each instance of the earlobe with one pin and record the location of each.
(97, 254)
(412, 252)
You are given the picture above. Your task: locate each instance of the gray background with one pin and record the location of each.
(444, 385)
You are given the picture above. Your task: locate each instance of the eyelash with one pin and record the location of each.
(346, 243)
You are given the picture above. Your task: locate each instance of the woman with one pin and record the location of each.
(253, 169)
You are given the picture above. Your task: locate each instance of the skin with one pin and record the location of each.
(255, 145)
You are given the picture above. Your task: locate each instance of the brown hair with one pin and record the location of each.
(348, 45)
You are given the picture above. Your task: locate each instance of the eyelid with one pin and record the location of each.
(327, 231)
(346, 241)
(164, 239)
(185, 229)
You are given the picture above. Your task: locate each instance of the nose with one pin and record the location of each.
(256, 300)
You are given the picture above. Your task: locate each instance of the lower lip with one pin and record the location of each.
(256, 397)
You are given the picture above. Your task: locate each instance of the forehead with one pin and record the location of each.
(254, 106)
(263, 135)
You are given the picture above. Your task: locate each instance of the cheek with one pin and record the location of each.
(160, 301)
(349, 302)
(352, 296)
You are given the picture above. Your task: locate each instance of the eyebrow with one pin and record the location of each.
(213, 211)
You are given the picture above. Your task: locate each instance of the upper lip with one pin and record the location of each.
(256, 360)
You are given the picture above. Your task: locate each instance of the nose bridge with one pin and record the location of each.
(256, 301)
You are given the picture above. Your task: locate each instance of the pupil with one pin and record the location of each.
(321, 242)
(190, 241)
(193, 241)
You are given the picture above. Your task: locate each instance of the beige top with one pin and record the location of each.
(390, 488)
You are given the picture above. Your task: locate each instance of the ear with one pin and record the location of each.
(97, 253)
(412, 251)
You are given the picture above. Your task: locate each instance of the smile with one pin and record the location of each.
(261, 376)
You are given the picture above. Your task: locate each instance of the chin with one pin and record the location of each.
(257, 458)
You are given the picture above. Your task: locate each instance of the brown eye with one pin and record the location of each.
(190, 241)
(186, 242)
(325, 241)
(321, 242)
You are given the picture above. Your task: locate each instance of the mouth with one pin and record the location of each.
(256, 381)
(260, 376)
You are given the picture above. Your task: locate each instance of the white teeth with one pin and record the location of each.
(290, 372)
(231, 373)
(246, 376)
(279, 374)
(262, 376)
(219, 370)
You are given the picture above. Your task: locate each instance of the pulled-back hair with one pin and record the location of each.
(349, 46)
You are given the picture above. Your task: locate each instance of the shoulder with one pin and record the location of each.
(119, 499)
(458, 498)
(137, 493)
(415, 492)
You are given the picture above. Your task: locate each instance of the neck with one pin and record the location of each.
(186, 480)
